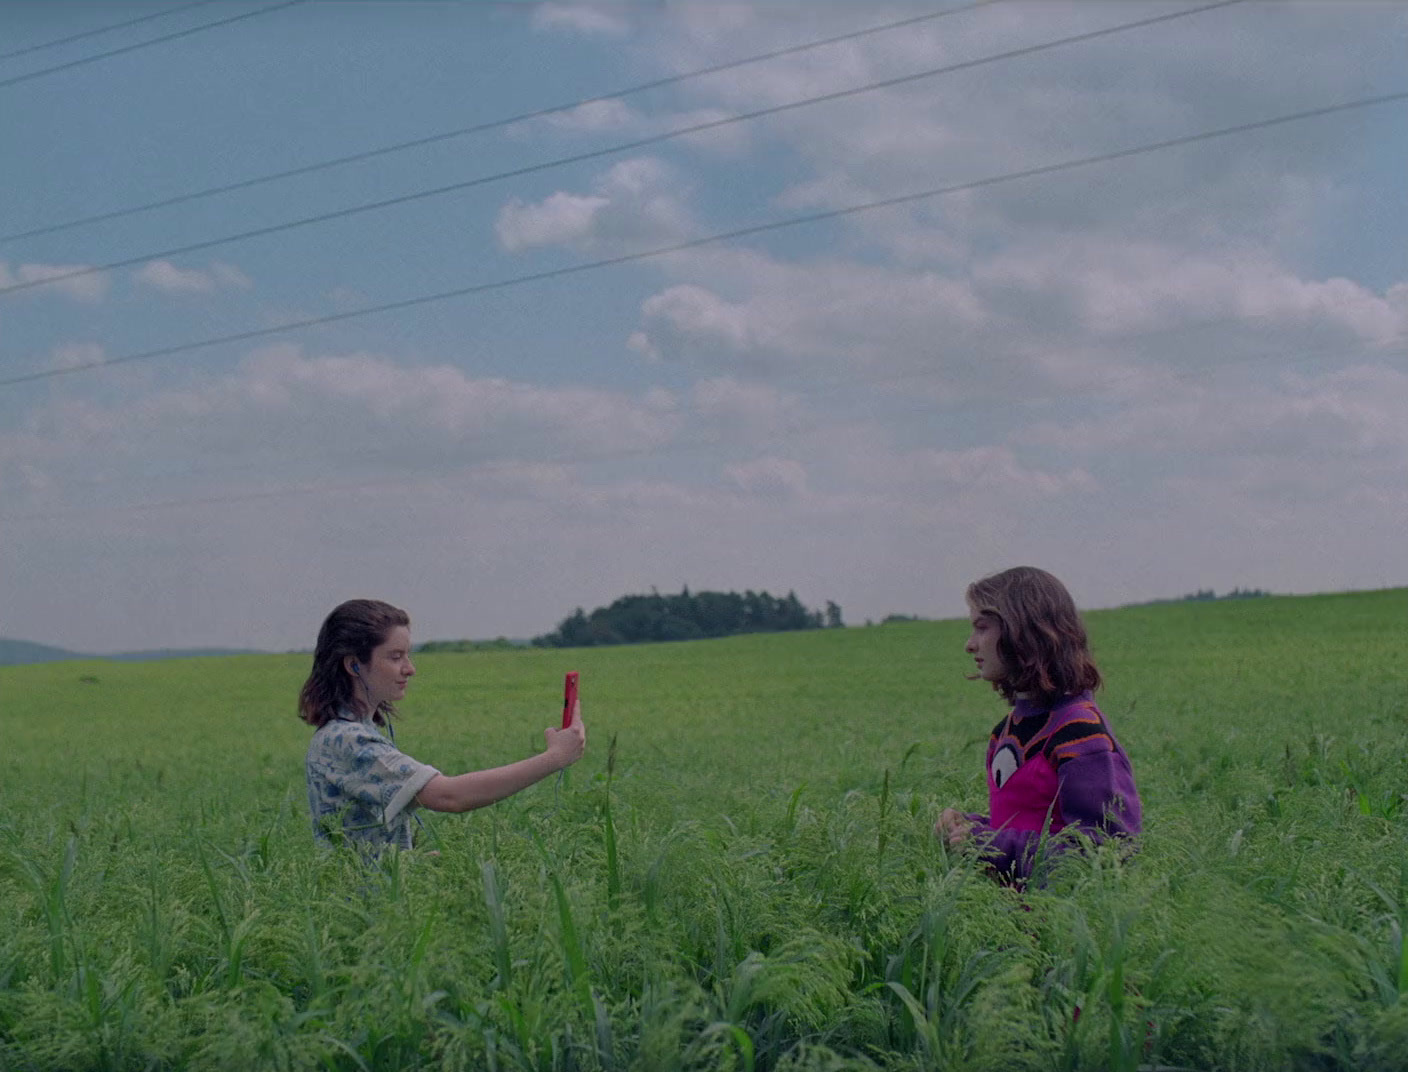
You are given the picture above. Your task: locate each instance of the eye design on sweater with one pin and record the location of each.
(1004, 765)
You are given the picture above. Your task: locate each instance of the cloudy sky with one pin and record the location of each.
(950, 317)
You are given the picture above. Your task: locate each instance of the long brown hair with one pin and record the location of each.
(1043, 644)
(354, 628)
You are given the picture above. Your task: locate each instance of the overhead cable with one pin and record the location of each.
(742, 232)
(15, 80)
(102, 30)
(478, 128)
(594, 154)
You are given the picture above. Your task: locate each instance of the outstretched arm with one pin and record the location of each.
(1007, 851)
(478, 789)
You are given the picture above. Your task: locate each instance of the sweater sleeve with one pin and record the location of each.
(1098, 797)
(1010, 853)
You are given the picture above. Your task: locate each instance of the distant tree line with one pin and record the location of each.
(1236, 593)
(497, 644)
(1207, 595)
(639, 619)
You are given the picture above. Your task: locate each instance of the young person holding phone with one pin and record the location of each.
(361, 787)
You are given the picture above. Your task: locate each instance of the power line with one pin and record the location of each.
(478, 128)
(102, 30)
(145, 44)
(742, 232)
(611, 150)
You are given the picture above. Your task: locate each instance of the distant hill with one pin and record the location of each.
(176, 653)
(20, 652)
(1207, 595)
(16, 652)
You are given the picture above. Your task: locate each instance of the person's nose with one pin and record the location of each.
(972, 646)
(410, 668)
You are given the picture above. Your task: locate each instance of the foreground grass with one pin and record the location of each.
(745, 880)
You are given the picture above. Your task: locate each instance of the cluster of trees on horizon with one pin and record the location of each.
(645, 619)
(1236, 593)
(641, 619)
(1206, 595)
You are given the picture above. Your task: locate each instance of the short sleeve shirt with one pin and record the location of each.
(361, 788)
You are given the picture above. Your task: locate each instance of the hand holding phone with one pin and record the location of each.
(569, 698)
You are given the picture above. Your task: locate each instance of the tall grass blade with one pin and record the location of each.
(577, 977)
(234, 953)
(605, 1042)
(575, 961)
(924, 1028)
(613, 870)
(214, 887)
(792, 802)
(313, 971)
(498, 929)
(882, 832)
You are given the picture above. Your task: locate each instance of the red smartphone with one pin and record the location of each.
(569, 698)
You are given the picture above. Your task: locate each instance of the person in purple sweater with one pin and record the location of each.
(1052, 763)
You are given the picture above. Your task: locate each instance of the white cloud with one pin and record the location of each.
(635, 205)
(818, 316)
(717, 133)
(561, 218)
(770, 477)
(639, 342)
(595, 117)
(481, 415)
(165, 276)
(1277, 441)
(299, 415)
(932, 477)
(230, 276)
(1164, 81)
(588, 19)
(1115, 287)
(731, 401)
(85, 288)
(693, 312)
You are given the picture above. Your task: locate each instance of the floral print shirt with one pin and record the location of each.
(361, 788)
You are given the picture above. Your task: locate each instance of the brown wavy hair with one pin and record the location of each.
(1043, 644)
(354, 628)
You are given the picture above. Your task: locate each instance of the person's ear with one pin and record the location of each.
(349, 663)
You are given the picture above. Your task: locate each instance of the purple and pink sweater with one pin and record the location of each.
(1059, 765)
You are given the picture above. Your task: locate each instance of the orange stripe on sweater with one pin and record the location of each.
(1064, 752)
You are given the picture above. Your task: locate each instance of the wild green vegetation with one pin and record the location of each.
(747, 879)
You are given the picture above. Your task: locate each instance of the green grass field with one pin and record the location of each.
(749, 879)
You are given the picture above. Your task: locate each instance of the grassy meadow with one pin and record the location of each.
(739, 875)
